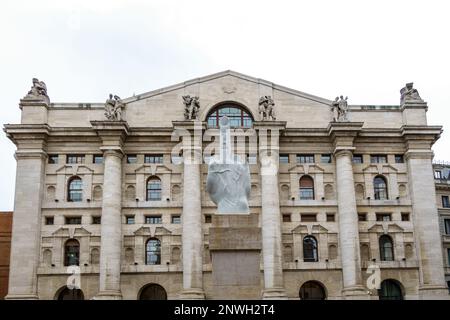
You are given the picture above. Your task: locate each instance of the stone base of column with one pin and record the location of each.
(21, 297)
(192, 294)
(109, 295)
(433, 293)
(274, 294)
(355, 293)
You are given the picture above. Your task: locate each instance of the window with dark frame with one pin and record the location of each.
(306, 190)
(386, 248)
(208, 218)
(330, 217)
(384, 217)
(447, 226)
(153, 219)
(154, 191)
(445, 202)
(75, 158)
(380, 188)
(284, 158)
(73, 220)
(437, 174)
(96, 220)
(97, 159)
(399, 158)
(131, 158)
(49, 221)
(129, 219)
(153, 251)
(305, 158)
(53, 159)
(237, 116)
(75, 190)
(378, 158)
(308, 217)
(325, 158)
(176, 219)
(153, 158)
(362, 217)
(357, 158)
(72, 253)
(286, 217)
(405, 216)
(310, 249)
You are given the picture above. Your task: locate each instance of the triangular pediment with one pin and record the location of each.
(379, 168)
(74, 169)
(226, 87)
(153, 169)
(306, 168)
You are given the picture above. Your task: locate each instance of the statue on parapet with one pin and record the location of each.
(339, 107)
(191, 107)
(408, 93)
(113, 108)
(38, 91)
(267, 108)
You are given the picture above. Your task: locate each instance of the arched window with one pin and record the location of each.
(153, 291)
(390, 290)
(306, 188)
(70, 294)
(238, 116)
(72, 253)
(310, 249)
(386, 248)
(153, 189)
(75, 190)
(153, 251)
(312, 290)
(380, 188)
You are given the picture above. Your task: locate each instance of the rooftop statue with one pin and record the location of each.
(267, 108)
(408, 93)
(228, 181)
(191, 107)
(38, 90)
(339, 107)
(113, 108)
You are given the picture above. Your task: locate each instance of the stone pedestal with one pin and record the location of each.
(26, 233)
(268, 132)
(112, 134)
(343, 134)
(235, 246)
(425, 214)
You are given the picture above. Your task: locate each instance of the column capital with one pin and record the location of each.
(112, 133)
(343, 134)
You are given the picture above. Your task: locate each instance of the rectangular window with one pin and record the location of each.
(75, 158)
(49, 221)
(357, 158)
(153, 158)
(445, 202)
(438, 174)
(448, 258)
(73, 220)
(362, 217)
(98, 159)
(208, 218)
(378, 158)
(399, 158)
(330, 217)
(176, 219)
(53, 159)
(286, 218)
(384, 217)
(284, 158)
(305, 158)
(131, 158)
(308, 217)
(325, 158)
(96, 220)
(405, 216)
(153, 219)
(447, 226)
(129, 219)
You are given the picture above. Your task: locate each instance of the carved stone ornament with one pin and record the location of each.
(113, 108)
(408, 93)
(267, 108)
(339, 108)
(38, 91)
(191, 107)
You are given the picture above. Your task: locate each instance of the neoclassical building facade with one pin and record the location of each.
(110, 190)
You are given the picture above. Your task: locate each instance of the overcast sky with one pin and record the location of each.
(84, 50)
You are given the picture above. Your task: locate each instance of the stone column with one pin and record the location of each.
(425, 214)
(192, 233)
(270, 209)
(112, 134)
(26, 232)
(343, 134)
